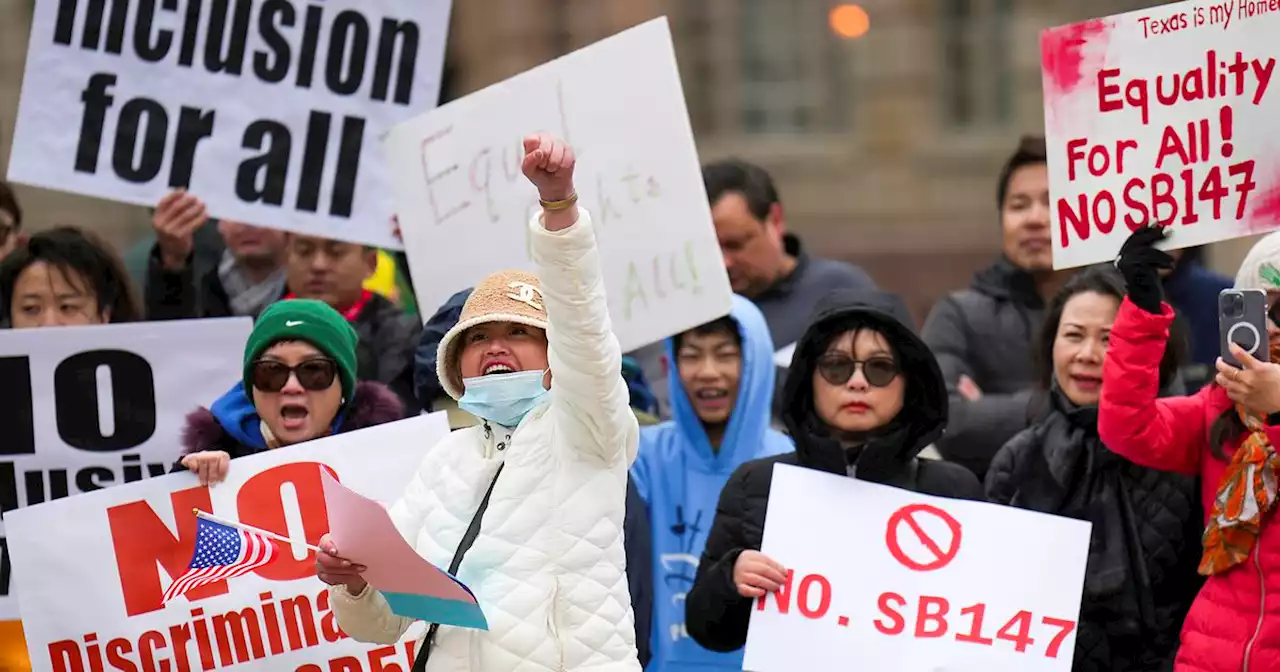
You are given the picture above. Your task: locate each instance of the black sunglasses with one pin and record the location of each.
(314, 374)
(838, 369)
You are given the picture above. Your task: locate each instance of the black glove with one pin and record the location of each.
(1140, 263)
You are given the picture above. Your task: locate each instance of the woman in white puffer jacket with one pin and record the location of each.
(547, 562)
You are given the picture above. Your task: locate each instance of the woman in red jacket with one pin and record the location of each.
(1225, 434)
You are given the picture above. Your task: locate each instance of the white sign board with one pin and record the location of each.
(913, 582)
(90, 407)
(1167, 115)
(464, 204)
(94, 567)
(269, 111)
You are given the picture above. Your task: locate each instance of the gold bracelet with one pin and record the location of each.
(567, 203)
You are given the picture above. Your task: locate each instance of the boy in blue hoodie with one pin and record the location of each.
(720, 401)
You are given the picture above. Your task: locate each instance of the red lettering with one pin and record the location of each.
(328, 622)
(974, 636)
(1189, 215)
(260, 504)
(1104, 221)
(1162, 194)
(1022, 638)
(94, 653)
(1064, 629)
(378, 660)
(179, 635)
(346, 664)
(152, 641)
(242, 630)
(1099, 160)
(1245, 186)
(1079, 221)
(824, 596)
(781, 597)
(932, 609)
(65, 656)
(1121, 146)
(1214, 191)
(1171, 144)
(1135, 204)
(896, 624)
(300, 621)
(1106, 89)
(141, 541)
(116, 650)
(1073, 155)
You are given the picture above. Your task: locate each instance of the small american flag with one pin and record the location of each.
(222, 552)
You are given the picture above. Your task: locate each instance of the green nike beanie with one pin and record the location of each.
(305, 320)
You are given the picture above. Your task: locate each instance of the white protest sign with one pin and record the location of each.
(912, 582)
(1165, 115)
(269, 111)
(90, 407)
(94, 567)
(464, 204)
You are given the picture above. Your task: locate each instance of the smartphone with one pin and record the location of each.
(1242, 319)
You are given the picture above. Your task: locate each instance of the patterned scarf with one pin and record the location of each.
(1247, 492)
(246, 296)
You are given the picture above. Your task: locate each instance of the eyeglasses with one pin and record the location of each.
(314, 375)
(838, 369)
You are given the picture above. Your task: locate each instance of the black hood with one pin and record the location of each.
(1007, 282)
(924, 412)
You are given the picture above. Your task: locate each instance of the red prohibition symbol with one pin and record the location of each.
(905, 521)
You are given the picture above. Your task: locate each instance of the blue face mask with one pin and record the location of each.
(504, 398)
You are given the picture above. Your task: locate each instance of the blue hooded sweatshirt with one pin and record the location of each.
(680, 478)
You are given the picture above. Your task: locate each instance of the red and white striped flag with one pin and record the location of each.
(222, 552)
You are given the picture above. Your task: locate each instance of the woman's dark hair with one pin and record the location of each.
(81, 257)
(1104, 280)
(1031, 151)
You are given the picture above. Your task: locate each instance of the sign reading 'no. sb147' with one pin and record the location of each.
(914, 582)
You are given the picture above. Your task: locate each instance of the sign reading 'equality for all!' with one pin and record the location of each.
(95, 567)
(618, 103)
(1169, 115)
(914, 582)
(86, 408)
(269, 111)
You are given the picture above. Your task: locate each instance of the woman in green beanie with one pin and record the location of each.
(299, 384)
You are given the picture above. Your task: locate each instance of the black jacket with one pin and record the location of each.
(1141, 575)
(715, 614)
(985, 333)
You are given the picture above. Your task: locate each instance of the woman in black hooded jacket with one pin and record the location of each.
(1141, 575)
(863, 397)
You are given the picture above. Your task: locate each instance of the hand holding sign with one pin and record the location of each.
(176, 219)
(337, 571)
(755, 574)
(548, 163)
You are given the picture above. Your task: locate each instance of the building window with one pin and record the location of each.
(977, 86)
(793, 70)
(692, 29)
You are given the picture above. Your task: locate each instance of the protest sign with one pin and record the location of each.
(1162, 116)
(914, 582)
(90, 407)
(268, 111)
(465, 205)
(95, 567)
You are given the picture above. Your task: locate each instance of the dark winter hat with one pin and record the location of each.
(305, 320)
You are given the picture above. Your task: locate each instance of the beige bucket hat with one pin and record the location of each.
(505, 296)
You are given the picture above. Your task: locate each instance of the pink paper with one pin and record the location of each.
(365, 535)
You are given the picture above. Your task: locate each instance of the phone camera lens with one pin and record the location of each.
(1233, 305)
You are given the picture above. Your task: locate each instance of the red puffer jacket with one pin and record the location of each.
(1234, 624)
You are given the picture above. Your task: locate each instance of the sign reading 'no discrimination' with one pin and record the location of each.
(269, 111)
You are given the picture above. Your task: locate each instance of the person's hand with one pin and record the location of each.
(755, 574)
(177, 217)
(548, 163)
(210, 465)
(1140, 263)
(968, 389)
(336, 571)
(1256, 385)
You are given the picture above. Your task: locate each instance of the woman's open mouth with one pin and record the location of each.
(293, 416)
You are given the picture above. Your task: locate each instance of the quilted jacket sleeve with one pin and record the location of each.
(1160, 433)
(589, 392)
(715, 614)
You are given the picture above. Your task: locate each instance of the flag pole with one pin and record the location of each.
(255, 530)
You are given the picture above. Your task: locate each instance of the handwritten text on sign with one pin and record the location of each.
(914, 582)
(90, 407)
(268, 110)
(1164, 116)
(465, 205)
(94, 567)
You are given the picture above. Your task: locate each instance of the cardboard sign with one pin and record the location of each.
(1168, 115)
(94, 567)
(269, 111)
(914, 582)
(90, 407)
(465, 205)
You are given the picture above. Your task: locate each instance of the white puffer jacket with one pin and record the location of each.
(548, 564)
